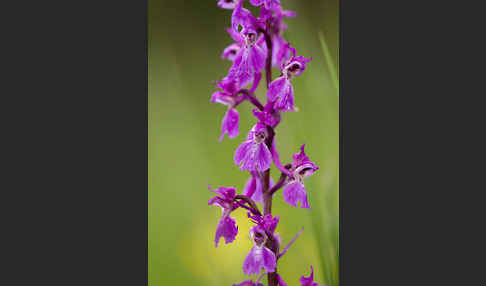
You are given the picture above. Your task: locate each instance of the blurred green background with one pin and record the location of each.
(186, 39)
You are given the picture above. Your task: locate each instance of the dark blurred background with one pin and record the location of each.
(186, 38)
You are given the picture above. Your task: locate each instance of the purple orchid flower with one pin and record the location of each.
(250, 59)
(227, 225)
(254, 152)
(280, 90)
(260, 256)
(227, 96)
(253, 188)
(302, 168)
(309, 281)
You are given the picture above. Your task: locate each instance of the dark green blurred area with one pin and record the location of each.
(186, 39)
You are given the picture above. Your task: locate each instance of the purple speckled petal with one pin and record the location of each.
(250, 265)
(226, 228)
(241, 69)
(230, 124)
(258, 258)
(269, 260)
(294, 192)
(257, 57)
(285, 97)
(275, 88)
(281, 92)
(263, 158)
(241, 151)
(255, 156)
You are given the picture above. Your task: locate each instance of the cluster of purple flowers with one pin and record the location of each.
(258, 46)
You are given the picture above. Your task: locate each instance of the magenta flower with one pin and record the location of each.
(309, 281)
(280, 90)
(227, 96)
(227, 4)
(250, 59)
(259, 256)
(227, 225)
(302, 168)
(254, 152)
(253, 188)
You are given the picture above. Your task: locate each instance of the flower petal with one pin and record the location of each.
(285, 98)
(226, 228)
(251, 265)
(241, 69)
(258, 258)
(269, 260)
(241, 151)
(257, 57)
(230, 124)
(275, 88)
(294, 192)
